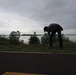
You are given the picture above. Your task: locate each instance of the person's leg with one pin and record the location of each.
(50, 38)
(60, 39)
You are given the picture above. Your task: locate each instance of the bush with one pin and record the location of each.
(65, 39)
(45, 39)
(34, 39)
(4, 40)
(14, 37)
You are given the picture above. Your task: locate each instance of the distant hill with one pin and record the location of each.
(43, 34)
(31, 35)
(38, 35)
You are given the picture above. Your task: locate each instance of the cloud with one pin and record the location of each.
(35, 14)
(62, 12)
(14, 21)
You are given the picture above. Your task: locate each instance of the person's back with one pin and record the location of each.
(54, 27)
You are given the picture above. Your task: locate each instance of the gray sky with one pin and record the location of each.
(28, 16)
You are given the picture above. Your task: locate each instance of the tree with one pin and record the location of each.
(45, 39)
(14, 37)
(34, 39)
(4, 40)
(65, 39)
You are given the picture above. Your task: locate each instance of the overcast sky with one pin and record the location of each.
(30, 16)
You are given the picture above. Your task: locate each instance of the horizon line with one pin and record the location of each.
(37, 34)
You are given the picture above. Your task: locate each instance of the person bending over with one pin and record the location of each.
(52, 29)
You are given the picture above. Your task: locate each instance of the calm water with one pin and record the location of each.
(26, 38)
(72, 38)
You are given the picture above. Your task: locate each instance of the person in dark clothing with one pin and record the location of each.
(53, 28)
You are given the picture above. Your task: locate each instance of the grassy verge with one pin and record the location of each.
(68, 48)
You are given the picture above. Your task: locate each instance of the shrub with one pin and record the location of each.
(14, 37)
(4, 40)
(65, 39)
(45, 39)
(34, 39)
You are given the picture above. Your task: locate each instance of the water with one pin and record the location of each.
(26, 38)
(71, 37)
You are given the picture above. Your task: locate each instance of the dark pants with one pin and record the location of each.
(59, 36)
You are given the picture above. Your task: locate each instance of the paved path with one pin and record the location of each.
(44, 63)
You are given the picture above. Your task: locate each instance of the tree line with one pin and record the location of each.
(14, 39)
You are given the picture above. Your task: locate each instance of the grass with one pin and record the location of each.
(68, 48)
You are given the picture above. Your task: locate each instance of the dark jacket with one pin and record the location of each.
(54, 27)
